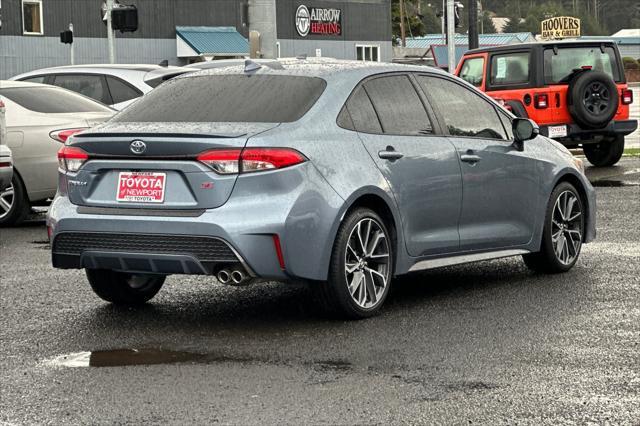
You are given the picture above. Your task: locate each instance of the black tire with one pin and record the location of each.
(334, 295)
(547, 259)
(593, 99)
(122, 288)
(20, 205)
(606, 152)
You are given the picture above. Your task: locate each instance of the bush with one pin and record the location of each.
(630, 63)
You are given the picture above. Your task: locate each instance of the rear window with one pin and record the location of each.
(51, 100)
(473, 71)
(227, 98)
(558, 68)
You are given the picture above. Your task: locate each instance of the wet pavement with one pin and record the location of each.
(483, 343)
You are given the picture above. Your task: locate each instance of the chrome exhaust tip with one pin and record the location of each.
(223, 276)
(237, 277)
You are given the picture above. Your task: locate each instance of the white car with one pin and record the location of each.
(39, 119)
(6, 161)
(113, 85)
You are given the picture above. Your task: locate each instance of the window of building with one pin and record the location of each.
(368, 53)
(465, 113)
(398, 105)
(32, 17)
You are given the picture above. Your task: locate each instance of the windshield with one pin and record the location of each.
(558, 68)
(52, 100)
(227, 98)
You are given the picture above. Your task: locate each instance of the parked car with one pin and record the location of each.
(39, 118)
(343, 174)
(114, 85)
(576, 91)
(6, 160)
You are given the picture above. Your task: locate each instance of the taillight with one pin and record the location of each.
(627, 96)
(63, 135)
(223, 161)
(70, 158)
(541, 100)
(231, 161)
(1, 104)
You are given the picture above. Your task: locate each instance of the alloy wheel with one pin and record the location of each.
(566, 227)
(367, 263)
(6, 201)
(596, 98)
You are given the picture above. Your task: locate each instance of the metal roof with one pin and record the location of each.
(618, 40)
(428, 40)
(214, 40)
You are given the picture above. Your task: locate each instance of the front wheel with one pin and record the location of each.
(563, 232)
(361, 267)
(14, 203)
(605, 153)
(121, 288)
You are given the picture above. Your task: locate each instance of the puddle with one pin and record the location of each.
(613, 183)
(124, 357)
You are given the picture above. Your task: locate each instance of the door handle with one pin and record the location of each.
(470, 158)
(390, 154)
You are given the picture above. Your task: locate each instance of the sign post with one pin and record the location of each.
(451, 40)
(73, 59)
(110, 35)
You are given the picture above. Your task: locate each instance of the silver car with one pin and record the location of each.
(39, 118)
(342, 174)
(114, 85)
(6, 160)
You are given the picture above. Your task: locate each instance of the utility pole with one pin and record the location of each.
(451, 40)
(73, 58)
(403, 39)
(473, 24)
(110, 35)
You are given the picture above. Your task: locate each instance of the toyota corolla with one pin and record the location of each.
(340, 174)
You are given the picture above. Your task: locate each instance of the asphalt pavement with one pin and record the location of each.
(486, 343)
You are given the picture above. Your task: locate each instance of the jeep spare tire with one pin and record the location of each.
(593, 99)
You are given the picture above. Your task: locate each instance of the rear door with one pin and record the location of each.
(420, 165)
(500, 184)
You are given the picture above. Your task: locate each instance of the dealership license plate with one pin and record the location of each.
(141, 187)
(557, 131)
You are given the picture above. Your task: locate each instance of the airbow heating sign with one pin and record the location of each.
(318, 21)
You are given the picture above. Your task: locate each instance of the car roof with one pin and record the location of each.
(539, 44)
(10, 84)
(324, 68)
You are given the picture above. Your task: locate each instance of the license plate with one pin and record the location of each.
(141, 187)
(557, 131)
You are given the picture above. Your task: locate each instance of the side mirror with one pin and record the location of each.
(524, 130)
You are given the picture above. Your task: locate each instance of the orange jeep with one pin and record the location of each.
(575, 90)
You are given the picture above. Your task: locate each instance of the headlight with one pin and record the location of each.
(579, 164)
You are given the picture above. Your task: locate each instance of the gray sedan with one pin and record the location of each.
(341, 174)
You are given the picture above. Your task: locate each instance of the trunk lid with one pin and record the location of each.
(170, 151)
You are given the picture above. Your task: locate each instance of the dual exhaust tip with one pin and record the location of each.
(235, 277)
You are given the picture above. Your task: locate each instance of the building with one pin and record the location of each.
(183, 31)
(433, 47)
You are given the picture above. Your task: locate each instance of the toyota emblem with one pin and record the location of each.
(138, 147)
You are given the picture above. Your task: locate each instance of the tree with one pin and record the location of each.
(487, 27)
(514, 25)
(413, 24)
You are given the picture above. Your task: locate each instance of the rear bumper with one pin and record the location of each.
(575, 133)
(296, 204)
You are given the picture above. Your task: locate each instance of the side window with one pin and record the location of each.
(39, 79)
(398, 105)
(361, 112)
(510, 68)
(465, 113)
(473, 71)
(121, 91)
(506, 122)
(90, 85)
